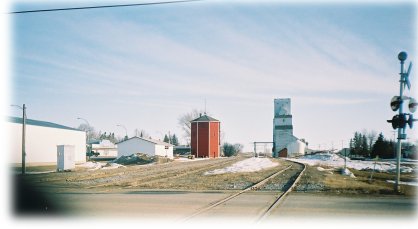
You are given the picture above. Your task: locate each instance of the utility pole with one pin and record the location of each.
(24, 140)
(126, 131)
(23, 136)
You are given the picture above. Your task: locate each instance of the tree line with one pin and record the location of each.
(172, 139)
(363, 145)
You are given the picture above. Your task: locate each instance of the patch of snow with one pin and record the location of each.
(320, 169)
(325, 170)
(248, 165)
(91, 166)
(113, 166)
(334, 160)
(347, 172)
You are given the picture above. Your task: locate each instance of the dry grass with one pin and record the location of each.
(40, 168)
(332, 181)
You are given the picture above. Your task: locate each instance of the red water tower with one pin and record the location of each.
(205, 137)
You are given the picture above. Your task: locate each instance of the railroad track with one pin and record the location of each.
(281, 196)
(129, 177)
(164, 176)
(256, 187)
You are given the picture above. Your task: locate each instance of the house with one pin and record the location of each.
(205, 137)
(147, 146)
(104, 147)
(42, 139)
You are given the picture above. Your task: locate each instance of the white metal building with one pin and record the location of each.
(147, 146)
(295, 148)
(42, 139)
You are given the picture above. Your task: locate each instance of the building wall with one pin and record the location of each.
(295, 148)
(161, 151)
(203, 139)
(135, 145)
(111, 152)
(105, 148)
(205, 136)
(214, 140)
(41, 143)
(193, 139)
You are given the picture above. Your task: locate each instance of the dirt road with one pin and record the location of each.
(176, 206)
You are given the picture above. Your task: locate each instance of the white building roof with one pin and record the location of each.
(156, 142)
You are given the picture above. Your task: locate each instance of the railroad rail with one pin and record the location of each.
(282, 195)
(255, 187)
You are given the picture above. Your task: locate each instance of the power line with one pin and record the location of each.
(98, 7)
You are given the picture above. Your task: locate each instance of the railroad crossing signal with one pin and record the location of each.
(406, 77)
(412, 105)
(400, 121)
(395, 103)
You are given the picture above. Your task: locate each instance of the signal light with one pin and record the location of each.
(398, 121)
(412, 105)
(395, 103)
(411, 121)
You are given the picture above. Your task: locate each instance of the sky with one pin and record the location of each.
(143, 67)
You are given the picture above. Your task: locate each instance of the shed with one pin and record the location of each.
(205, 137)
(147, 146)
(42, 139)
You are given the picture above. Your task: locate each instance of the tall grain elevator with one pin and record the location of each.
(282, 127)
(205, 137)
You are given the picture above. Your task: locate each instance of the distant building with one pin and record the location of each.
(205, 137)
(147, 146)
(42, 139)
(285, 143)
(105, 148)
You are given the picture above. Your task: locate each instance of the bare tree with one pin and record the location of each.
(184, 122)
(91, 133)
(141, 133)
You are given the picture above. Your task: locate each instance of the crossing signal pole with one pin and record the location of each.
(400, 121)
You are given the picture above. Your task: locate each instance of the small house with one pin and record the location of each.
(104, 148)
(147, 146)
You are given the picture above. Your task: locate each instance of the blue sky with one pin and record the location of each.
(145, 66)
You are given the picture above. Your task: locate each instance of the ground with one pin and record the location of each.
(180, 185)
